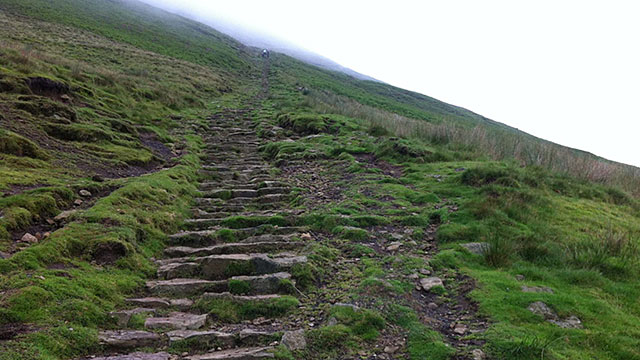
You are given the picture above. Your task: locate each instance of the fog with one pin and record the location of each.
(564, 71)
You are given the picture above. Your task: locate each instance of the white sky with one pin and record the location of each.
(566, 71)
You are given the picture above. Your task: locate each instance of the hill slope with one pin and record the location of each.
(388, 224)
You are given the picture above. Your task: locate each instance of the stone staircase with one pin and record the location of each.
(231, 240)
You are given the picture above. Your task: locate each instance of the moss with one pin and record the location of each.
(239, 287)
(232, 311)
(14, 144)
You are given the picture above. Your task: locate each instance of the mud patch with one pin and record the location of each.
(11, 330)
(157, 147)
(47, 87)
(108, 253)
(371, 162)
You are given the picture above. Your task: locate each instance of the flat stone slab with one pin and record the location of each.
(233, 248)
(135, 356)
(430, 282)
(239, 298)
(218, 267)
(236, 354)
(183, 286)
(150, 302)
(130, 339)
(177, 321)
(224, 340)
(264, 284)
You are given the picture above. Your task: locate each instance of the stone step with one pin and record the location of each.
(161, 303)
(177, 321)
(123, 340)
(236, 221)
(258, 285)
(229, 193)
(236, 354)
(135, 356)
(232, 248)
(211, 237)
(214, 339)
(123, 316)
(218, 267)
(239, 298)
(237, 168)
(201, 214)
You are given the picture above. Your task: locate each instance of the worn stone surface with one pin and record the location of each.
(430, 282)
(294, 340)
(235, 354)
(135, 356)
(123, 316)
(28, 238)
(150, 302)
(477, 248)
(131, 339)
(177, 320)
(542, 309)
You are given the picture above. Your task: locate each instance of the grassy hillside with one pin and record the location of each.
(111, 97)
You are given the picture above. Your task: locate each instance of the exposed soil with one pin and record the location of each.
(370, 161)
(11, 330)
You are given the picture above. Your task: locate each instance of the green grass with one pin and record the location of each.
(129, 70)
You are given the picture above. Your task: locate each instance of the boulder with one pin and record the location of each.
(430, 282)
(28, 238)
(536, 289)
(476, 248)
(294, 340)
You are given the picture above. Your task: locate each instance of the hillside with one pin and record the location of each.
(166, 193)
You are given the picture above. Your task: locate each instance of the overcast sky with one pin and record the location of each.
(566, 71)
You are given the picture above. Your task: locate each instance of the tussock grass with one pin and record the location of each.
(486, 139)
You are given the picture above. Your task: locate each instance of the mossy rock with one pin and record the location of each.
(14, 144)
(44, 107)
(77, 132)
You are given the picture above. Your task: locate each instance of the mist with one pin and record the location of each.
(566, 72)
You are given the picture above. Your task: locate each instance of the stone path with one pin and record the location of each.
(213, 253)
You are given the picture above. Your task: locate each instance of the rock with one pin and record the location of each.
(46, 235)
(432, 305)
(305, 236)
(430, 282)
(542, 309)
(78, 202)
(477, 248)
(460, 329)
(520, 277)
(28, 238)
(4, 255)
(84, 193)
(151, 302)
(177, 321)
(130, 339)
(332, 321)
(123, 316)
(390, 349)
(397, 236)
(572, 322)
(182, 303)
(65, 98)
(414, 276)
(136, 356)
(536, 289)
(354, 307)
(63, 216)
(294, 340)
(477, 354)
(425, 271)
(394, 246)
